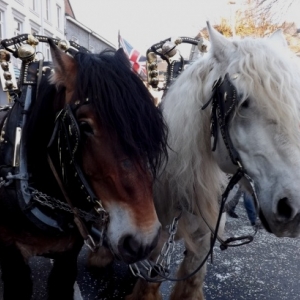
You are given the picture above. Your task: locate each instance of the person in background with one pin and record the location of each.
(236, 194)
(250, 208)
(248, 204)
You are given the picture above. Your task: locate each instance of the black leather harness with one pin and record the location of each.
(174, 67)
(63, 149)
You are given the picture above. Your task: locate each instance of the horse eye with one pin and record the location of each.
(245, 104)
(127, 164)
(85, 128)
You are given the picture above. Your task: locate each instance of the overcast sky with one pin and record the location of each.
(145, 22)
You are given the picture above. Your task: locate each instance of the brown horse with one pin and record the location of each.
(91, 142)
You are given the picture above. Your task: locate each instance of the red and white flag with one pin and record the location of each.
(138, 61)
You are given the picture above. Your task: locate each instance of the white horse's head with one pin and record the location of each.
(264, 123)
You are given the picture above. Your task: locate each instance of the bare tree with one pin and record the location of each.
(259, 18)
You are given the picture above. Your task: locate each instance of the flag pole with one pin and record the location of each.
(119, 39)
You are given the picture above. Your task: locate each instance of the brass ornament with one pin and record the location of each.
(4, 55)
(154, 81)
(9, 84)
(169, 49)
(32, 41)
(4, 66)
(7, 75)
(26, 53)
(153, 73)
(152, 66)
(178, 41)
(151, 57)
(63, 45)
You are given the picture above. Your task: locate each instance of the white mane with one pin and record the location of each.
(194, 177)
(271, 73)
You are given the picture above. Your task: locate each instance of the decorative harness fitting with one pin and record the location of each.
(167, 50)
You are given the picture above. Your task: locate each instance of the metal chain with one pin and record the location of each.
(4, 182)
(54, 203)
(147, 269)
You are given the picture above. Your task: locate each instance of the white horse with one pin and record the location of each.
(262, 130)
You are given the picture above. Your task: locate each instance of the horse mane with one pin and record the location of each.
(122, 102)
(268, 72)
(120, 99)
(194, 179)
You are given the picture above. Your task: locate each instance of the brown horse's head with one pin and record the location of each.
(122, 137)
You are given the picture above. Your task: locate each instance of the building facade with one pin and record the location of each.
(51, 18)
(43, 17)
(46, 17)
(82, 35)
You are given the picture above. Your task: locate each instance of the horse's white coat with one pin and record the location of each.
(264, 130)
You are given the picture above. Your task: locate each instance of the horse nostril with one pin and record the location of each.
(131, 245)
(284, 208)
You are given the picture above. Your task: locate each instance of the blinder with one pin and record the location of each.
(223, 101)
(63, 150)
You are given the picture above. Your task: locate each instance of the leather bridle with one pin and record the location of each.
(63, 151)
(223, 101)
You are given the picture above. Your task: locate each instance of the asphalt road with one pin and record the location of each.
(266, 269)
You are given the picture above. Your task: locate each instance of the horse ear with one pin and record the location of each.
(64, 67)
(120, 51)
(121, 55)
(277, 37)
(220, 45)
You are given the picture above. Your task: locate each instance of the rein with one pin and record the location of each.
(223, 101)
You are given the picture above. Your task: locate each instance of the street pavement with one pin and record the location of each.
(266, 269)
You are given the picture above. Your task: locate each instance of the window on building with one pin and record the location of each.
(34, 31)
(47, 53)
(18, 27)
(33, 5)
(47, 7)
(58, 16)
(1, 24)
